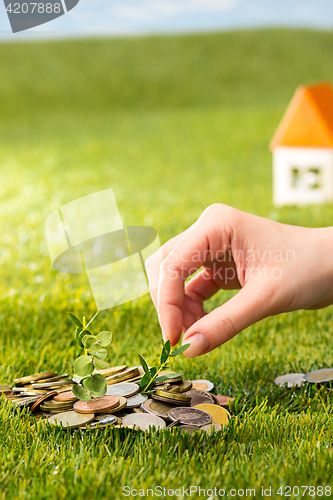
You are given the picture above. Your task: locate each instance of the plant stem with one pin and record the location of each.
(84, 327)
(158, 371)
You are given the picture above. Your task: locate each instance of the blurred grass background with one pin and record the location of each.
(172, 124)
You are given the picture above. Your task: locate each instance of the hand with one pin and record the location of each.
(279, 268)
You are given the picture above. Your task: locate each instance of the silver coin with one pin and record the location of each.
(202, 385)
(319, 376)
(291, 379)
(211, 428)
(123, 389)
(190, 416)
(107, 420)
(136, 400)
(143, 421)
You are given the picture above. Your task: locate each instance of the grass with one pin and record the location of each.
(172, 124)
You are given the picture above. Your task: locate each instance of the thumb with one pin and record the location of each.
(248, 306)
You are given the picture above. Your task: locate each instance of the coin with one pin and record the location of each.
(36, 376)
(157, 408)
(52, 384)
(202, 385)
(71, 419)
(172, 380)
(112, 370)
(123, 389)
(184, 386)
(319, 376)
(57, 404)
(199, 397)
(35, 407)
(27, 401)
(173, 396)
(120, 377)
(107, 420)
(53, 379)
(222, 400)
(189, 428)
(136, 400)
(144, 421)
(138, 410)
(219, 415)
(291, 379)
(121, 406)
(96, 405)
(65, 396)
(5, 389)
(173, 402)
(211, 428)
(173, 424)
(190, 416)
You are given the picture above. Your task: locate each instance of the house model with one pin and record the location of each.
(303, 148)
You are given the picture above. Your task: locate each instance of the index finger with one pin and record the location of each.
(202, 242)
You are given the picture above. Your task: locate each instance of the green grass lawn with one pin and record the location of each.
(172, 124)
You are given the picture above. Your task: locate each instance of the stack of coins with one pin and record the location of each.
(172, 403)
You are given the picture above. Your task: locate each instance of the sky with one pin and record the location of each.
(133, 17)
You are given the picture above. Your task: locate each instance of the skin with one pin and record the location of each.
(278, 268)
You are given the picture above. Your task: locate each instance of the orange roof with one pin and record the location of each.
(308, 121)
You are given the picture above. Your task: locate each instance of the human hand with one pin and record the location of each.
(278, 267)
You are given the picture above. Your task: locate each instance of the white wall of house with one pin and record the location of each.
(302, 176)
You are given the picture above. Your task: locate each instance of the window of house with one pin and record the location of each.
(313, 178)
(295, 177)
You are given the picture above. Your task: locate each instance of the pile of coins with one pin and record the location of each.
(322, 376)
(186, 404)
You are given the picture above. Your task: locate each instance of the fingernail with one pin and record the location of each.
(199, 345)
(165, 338)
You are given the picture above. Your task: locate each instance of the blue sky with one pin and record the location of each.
(123, 17)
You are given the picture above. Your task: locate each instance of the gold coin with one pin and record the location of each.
(186, 385)
(71, 419)
(173, 396)
(219, 415)
(36, 376)
(112, 370)
(5, 388)
(138, 410)
(53, 379)
(125, 375)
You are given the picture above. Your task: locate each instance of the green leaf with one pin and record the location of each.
(94, 347)
(104, 338)
(162, 378)
(88, 339)
(99, 364)
(81, 392)
(83, 366)
(165, 351)
(79, 335)
(144, 381)
(153, 371)
(76, 320)
(144, 366)
(180, 350)
(101, 354)
(96, 384)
